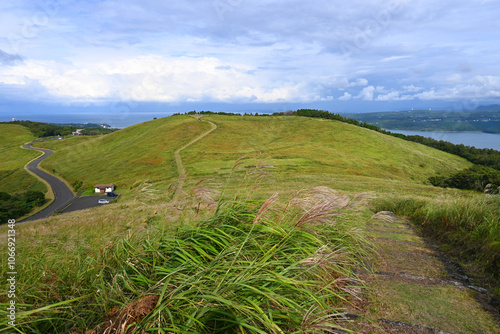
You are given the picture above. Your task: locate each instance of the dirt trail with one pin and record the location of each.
(180, 167)
(414, 288)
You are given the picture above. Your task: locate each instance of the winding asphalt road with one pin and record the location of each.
(62, 193)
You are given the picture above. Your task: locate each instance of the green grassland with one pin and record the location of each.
(143, 152)
(13, 177)
(302, 152)
(242, 264)
(312, 146)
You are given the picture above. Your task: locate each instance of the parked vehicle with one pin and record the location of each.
(103, 201)
(112, 194)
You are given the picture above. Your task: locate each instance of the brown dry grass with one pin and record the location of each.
(122, 322)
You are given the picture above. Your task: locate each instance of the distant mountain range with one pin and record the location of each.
(483, 119)
(488, 108)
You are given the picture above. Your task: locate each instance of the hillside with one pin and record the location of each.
(427, 120)
(302, 150)
(279, 252)
(141, 152)
(13, 178)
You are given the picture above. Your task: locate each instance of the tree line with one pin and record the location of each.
(40, 129)
(15, 206)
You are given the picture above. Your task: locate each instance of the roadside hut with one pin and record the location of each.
(104, 188)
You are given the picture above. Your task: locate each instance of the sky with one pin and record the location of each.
(125, 61)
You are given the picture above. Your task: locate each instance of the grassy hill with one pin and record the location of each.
(141, 152)
(13, 178)
(270, 264)
(301, 149)
(307, 146)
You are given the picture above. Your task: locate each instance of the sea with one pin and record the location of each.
(476, 139)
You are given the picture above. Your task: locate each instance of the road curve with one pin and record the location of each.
(62, 193)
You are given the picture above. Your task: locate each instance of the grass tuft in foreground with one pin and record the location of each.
(251, 267)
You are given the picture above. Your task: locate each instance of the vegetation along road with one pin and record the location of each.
(62, 193)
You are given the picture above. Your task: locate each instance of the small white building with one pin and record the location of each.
(104, 188)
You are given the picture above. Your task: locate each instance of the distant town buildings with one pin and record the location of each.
(78, 132)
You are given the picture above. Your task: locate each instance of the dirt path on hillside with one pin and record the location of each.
(415, 288)
(178, 160)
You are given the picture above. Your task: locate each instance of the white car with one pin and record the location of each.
(103, 201)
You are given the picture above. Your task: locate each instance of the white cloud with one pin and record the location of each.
(481, 87)
(392, 96)
(12, 80)
(367, 93)
(394, 58)
(345, 97)
(489, 81)
(260, 51)
(359, 82)
(413, 88)
(155, 78)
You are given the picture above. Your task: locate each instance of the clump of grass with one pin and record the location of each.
(468, 227)
(251, 267)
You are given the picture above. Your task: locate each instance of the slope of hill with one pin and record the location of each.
(307, 146)
(211, 265)
(13, 178)
(141, 152)
(298, 147)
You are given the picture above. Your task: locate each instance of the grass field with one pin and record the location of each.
(198, 264)
(298, 150)
(143, 152)
(309, 146)
(13, 177)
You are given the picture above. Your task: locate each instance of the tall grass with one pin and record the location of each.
(469, 227)
(251, 267)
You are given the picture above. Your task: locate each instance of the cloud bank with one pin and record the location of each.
(237, 51)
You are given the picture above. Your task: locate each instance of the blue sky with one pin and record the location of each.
(115, 59)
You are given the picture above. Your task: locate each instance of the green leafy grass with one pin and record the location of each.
(249, 267)
(311, 146)
(214, 268)
(13, 178)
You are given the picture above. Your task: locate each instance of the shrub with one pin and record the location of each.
(475, 178)
(13, 207)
